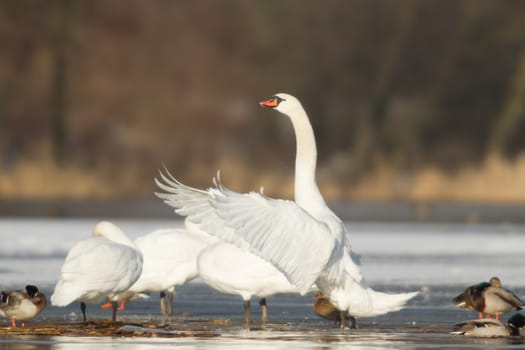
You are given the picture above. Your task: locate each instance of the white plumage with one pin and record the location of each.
(170, 260)
(232, 270)
(304, 239)
(99, 268)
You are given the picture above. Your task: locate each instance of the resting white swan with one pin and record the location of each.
(303, 238)
(232, 270)
(98, 269)
(170, 260)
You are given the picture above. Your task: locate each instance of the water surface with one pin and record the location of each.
(439, 260)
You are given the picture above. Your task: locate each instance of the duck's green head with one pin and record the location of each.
(517, 320)
(482, 285)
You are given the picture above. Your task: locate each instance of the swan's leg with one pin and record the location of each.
(480, 315)
(83, 309)
(163, 303)
(247, 313)
(343, 319)
(13, 322)
(170, 304)
(352, 322)
(114, 306)
(264, 310)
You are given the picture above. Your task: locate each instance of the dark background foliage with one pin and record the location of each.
(102, 92)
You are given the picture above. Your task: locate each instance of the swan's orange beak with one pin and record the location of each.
(272, 102)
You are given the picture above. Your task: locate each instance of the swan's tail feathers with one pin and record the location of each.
(64, 294)
(383, 303)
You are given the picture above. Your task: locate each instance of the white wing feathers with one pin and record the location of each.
(278, 231)
(194, 201)
(196, 206)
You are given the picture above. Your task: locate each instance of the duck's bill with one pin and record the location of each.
(461, 304)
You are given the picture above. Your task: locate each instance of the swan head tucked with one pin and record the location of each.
(112, 232)
(284, 103)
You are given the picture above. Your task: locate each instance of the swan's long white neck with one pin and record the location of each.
(307, 193)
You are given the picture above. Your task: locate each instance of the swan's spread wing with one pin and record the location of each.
(280, 232)
(196, 206)
(186, 200)
(276, 230)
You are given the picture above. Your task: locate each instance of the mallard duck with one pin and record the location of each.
(325, 309)
(490, 328)
(489, 298)
(21, 305)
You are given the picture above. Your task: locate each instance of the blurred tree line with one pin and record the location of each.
(120, 87)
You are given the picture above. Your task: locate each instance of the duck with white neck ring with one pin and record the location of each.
(490, 328)
(21, 305)
(489, 298)
(303, 239)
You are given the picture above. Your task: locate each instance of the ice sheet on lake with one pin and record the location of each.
(399, 254)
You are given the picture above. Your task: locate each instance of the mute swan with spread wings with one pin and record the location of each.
(304, 239)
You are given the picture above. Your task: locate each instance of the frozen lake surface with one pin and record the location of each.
(439, 260)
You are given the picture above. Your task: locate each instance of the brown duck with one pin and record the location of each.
(325, 309)
(21, 305)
